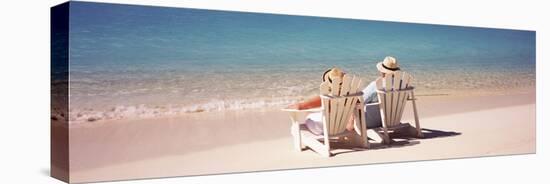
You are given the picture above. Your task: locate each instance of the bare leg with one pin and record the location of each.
(350, 126)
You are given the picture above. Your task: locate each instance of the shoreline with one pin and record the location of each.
(142, 111)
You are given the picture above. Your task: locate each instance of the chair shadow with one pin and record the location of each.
(399, 140)
(373, 146)
(428, 134)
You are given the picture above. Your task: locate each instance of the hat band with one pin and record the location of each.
(392, 69)
(328, 77)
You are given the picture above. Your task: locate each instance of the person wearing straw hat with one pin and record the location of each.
(388, 66)
(315, 102)
(314, 120)
(372, 113)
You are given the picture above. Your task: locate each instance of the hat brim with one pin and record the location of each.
(384, 70)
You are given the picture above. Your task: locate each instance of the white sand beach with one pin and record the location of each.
(241, 141)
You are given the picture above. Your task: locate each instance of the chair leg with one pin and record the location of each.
(326, 152)
(387, 139)
(360, 118)
(326, 144)
(295, 131)
(416, 122)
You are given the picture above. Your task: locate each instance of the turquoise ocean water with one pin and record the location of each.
(137, 61)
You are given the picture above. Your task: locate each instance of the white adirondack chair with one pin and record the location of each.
(339, 104)
(394, 90)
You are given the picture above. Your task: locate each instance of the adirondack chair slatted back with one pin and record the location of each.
(392, 98)
(337, 111)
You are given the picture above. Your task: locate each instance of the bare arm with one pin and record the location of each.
(313, 102)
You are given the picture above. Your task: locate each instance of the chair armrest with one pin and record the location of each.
(303, 110)
(371, 104)
(410, 88)
(358, 94)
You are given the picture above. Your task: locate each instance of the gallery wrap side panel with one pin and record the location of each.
(59, 75)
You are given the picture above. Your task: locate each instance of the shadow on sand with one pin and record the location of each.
(398, 140)
(428, 134)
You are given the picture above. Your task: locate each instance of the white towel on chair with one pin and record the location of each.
(314, 123)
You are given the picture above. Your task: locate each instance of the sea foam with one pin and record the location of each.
(149, 111)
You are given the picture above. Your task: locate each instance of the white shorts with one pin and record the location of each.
(314, 121)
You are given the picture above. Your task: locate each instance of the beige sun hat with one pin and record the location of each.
(389, 65)
(332, 73)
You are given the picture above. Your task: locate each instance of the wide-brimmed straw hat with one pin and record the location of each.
(389, 65)
(332, 74)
